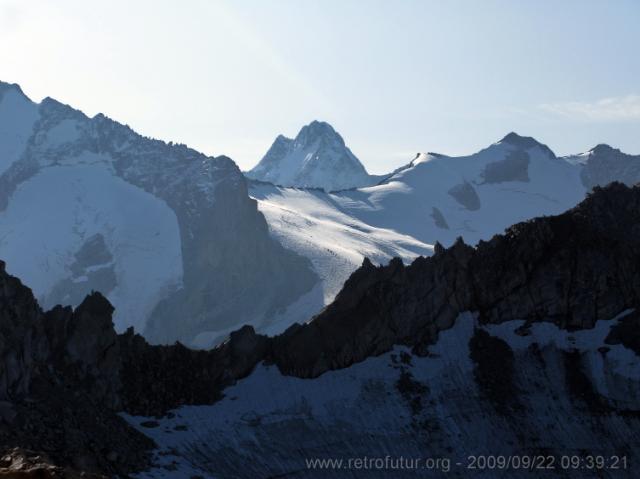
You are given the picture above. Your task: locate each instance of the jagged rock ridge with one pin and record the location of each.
(572, 270)
(60, 387)
(604, 164)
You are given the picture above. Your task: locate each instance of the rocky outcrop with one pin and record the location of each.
(18, 463)
(526, 143)
(439, 219)
(93, 269)
(60, 387)
(604, 164)
(158, 378)
(515, 167)
(466, 196)
(626, 332)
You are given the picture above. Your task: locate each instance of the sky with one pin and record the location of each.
(393, 78)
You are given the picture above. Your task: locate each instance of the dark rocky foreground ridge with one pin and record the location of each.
(65, 374)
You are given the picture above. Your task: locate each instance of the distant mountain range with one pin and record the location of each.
(434, 198)
(174, 239)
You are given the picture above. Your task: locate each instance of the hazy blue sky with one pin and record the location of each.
(393, 77)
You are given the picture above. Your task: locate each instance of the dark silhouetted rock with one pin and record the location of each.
(626, 332)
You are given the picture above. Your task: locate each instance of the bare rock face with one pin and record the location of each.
(513, 168)
(493, 371)
(605, 164)
(24, 464)
(158, 378)
(627, 332)
(439, 219)
(60, 389)
(22, 339)
(92, 270)
(466, 195)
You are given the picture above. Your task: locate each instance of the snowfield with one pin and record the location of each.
(139, 229)
(401, 405)
(438, 198)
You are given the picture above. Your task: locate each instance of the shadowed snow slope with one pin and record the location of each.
(483, 390)
(169, 235)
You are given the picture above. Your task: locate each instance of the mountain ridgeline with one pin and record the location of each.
(571, 270)
(177, 240)
(168, 234)
(434, 198)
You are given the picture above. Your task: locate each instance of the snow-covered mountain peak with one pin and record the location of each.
(520, 141)
(603, 164)
(62, 109)
(505, 160)
(316, 158)
(422, 158)
(5, 87)
(17, 118)
(318, 131)
(603, 149)
(525, 143)
(12, 97)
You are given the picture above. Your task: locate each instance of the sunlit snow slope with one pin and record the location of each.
(438, 198)
(311, 223)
